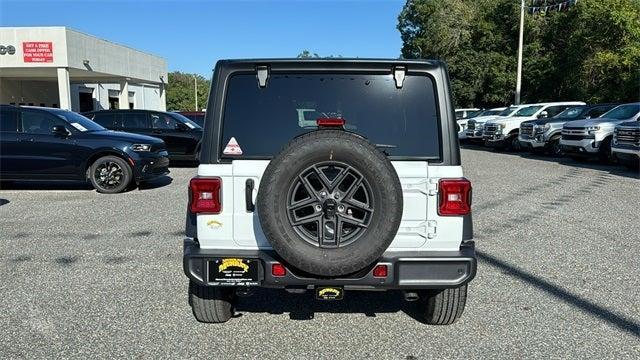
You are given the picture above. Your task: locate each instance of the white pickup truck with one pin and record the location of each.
(503, 132)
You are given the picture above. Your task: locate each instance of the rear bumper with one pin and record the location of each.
(405, 270)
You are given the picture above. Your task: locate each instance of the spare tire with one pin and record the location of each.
(330, 203)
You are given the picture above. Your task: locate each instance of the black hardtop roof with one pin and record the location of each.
(324, 62)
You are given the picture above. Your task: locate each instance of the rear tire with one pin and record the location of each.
(211, 304)
(443, 306)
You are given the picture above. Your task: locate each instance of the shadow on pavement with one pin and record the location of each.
(602, 313)
(155, 183)
(46, 185)
(305, 306)
(75, 185)
(183, 164)
(3, 202)
(614, 169)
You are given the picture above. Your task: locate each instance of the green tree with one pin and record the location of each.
(181, 91)
(306, 54)
(590, 52)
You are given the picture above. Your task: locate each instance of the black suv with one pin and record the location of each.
(181, 135)
(51, 144)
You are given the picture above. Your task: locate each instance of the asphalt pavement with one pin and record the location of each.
(90, 275)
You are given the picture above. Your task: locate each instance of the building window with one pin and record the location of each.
(113, 103)
(114, 100)
(86, 100)
(132, 100)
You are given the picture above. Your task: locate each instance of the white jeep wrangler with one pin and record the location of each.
(370, 196)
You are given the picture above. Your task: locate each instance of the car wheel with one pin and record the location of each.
(330, 203)
(211, 304)
(555, 148)
(110, 175)
(604, 153)
(443, 306)
(514, 143)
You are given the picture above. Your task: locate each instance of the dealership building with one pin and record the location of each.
(61, 67)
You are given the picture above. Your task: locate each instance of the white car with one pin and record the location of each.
(503, 132)
(462, 123)
(475, 126)
(466, 113)
(593, 137)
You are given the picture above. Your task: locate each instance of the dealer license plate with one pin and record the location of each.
(233, 272)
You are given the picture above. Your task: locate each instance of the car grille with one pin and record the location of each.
(526, 131)
(627, 136)
(490, 129)
(573, 134)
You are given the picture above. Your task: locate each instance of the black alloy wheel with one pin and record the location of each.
(330, 204)
(110, 175)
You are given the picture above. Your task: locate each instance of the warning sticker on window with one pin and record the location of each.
(232, 148)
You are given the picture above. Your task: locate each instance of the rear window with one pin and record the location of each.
(105, 119)
(404, 122)
(135, 120)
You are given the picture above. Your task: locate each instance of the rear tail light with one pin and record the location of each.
(278, 270)
(380, 271)
(455, 197)
(205, 195)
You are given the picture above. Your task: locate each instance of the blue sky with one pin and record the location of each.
(192, 35)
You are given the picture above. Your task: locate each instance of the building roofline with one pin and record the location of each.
(66, 28)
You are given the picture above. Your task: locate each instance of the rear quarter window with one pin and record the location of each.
(262, 120)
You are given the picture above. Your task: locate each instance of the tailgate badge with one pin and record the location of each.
(214, 224)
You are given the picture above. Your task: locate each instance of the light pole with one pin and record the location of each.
(520, 40)
(195, 86)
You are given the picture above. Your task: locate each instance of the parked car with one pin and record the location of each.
(52, 144)
(462, 123)
(626, 143)
(195, 116)
(593, 137)
(466, 113)
(503, 132)
(355, 202)
(543, 135)
(181, 135)
(475, 126)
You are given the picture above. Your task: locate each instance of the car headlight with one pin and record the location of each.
(141, 147)
(591, 130)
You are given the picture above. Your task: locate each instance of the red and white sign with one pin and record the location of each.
(232, 148)
(37, 52)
